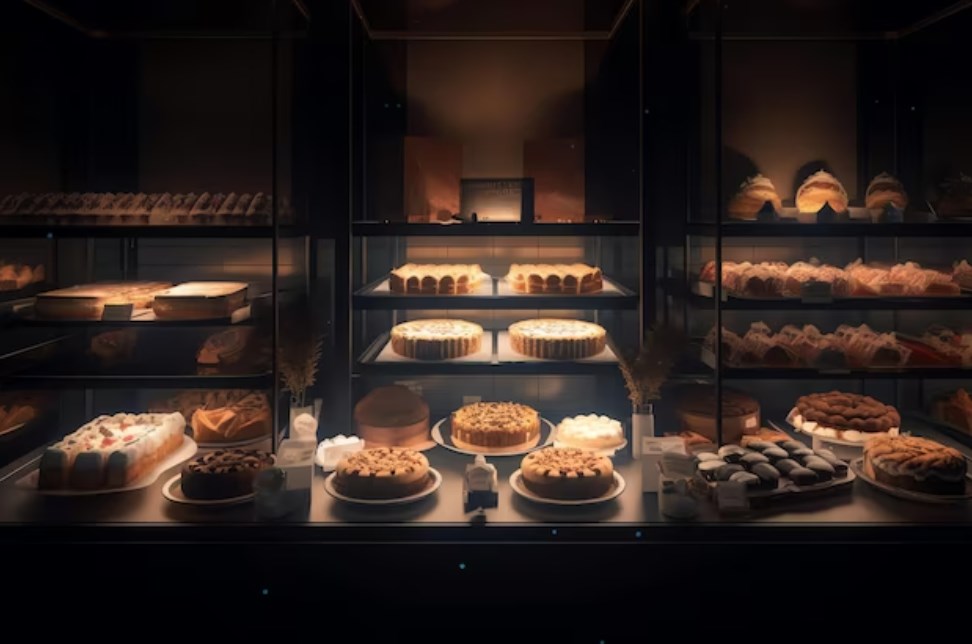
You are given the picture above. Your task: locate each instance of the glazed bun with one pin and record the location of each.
(821, 188)
(885, 189)
(752, 196)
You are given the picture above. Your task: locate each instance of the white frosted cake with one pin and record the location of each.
(111, 451)
(590, 431)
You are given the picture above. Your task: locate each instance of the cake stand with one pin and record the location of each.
(442, 435)
(516, 482)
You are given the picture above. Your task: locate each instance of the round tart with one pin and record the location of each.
(382, 473)
(590, 431)
(568, 279)
(436, 339)
(844, 416)
(436, 279)
(494, 424)
(819, 189)
(557, 339)
(567, 473)
(392, 416)
(223, 474)
(913, 463)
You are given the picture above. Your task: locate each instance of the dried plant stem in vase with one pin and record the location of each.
(645, 373)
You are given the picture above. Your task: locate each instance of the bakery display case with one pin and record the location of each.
(548, 270)
(153, 235)
(821, 269)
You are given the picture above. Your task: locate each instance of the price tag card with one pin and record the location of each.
(817, 292)
(731, 497)
(117, 312)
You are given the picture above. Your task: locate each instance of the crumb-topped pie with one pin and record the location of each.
(382, 473)
(495, 424)
(913, 463)
(567, 473)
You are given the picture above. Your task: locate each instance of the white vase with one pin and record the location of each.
(642, 425)
(296, 411)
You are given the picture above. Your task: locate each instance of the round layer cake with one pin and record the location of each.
(567, 473)
(555, 339)
(844, 416)
(590, 431)
(913, 463)
(495, 424)
(819, 189)
(382, 473)
(696, 411)
(223, 473)
(392, 416)
(436, 339)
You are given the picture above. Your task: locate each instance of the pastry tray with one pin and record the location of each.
(25, 314)
(790, 491)
(494, 356)
(707, 290)
(495, 293)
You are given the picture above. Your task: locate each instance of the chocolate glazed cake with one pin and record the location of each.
(223, 474)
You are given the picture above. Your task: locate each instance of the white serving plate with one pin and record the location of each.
(172, 490)
(442, 436)
(185, 452)
(608, 451)
(857, 466)
(435, 482)
(516, 482)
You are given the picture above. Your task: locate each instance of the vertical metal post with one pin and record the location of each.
(718, 214)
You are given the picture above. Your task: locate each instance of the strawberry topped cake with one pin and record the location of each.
(111, 451)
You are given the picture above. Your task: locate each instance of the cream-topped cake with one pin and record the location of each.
(111, 451)
(557, 339)
(436, 339)
(589, 431)
(436, 279)
(567, 279)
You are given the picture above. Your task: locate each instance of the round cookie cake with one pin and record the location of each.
(844, 416)
(434, 339)
(913, 463)
(495, 425)
(567, 473)
(392, 416)
(556, 339)
(223, 473)
(589, 431)
(382, 473)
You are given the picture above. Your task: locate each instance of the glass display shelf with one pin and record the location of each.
(494, 296)
(52, 378)
(959, 303)
(495, 229)
(956, 228)
(863, 513)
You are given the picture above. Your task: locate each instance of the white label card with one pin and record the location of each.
(731, 497)
(117, 312)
